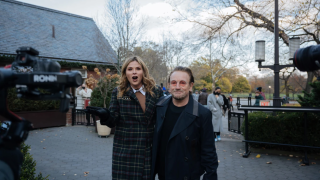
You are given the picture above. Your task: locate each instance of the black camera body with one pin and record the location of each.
(307, 59)
(28, 57)
(29, 74)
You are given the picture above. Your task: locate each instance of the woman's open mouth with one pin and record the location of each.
(134, 78)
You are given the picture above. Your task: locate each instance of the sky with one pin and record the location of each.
(158, 13)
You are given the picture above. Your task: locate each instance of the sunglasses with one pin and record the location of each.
(175, 83)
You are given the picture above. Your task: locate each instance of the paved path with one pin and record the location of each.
(65, 153)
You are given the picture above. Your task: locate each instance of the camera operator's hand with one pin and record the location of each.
(14, 158)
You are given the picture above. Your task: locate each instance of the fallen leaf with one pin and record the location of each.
(288, 159)
(44, 148)
(290, 155)
(313, 163)
(269, 162)
(44, 139)
(258, 156)
(87, 172)
(85, 175)
(75, 174)
(300, 160)
(64, 174)
(41, 141)
(302, 164)
(218, 161)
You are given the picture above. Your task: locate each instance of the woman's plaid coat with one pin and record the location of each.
(132, 144)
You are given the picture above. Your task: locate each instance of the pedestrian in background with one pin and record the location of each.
(203, 97)
(258, 98)
(196, 95)
(261, 93)
(215, 101)
(226, 105)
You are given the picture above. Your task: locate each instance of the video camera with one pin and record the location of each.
(307, 59)
(28, 73)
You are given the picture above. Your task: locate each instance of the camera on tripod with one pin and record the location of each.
(29, 74)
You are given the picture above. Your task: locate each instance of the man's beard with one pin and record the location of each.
(181, 97)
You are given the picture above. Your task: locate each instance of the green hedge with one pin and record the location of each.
(28, 168)
(16, 104)
(287, 128)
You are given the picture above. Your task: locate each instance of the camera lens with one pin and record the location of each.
(307, 59)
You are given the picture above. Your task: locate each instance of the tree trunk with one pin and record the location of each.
(309, 80)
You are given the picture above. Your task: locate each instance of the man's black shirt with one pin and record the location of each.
(172, 115)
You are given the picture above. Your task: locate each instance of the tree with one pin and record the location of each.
(150, 52)
(241, 85)
(285, 78)
(256, 82)
(230, 19)
(122, 26)
(104, 84)
(224, 84)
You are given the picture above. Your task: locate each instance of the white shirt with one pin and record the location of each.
(85, 94)
(141, 90)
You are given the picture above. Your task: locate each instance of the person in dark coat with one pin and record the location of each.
(183, 146)
(132, 112)
(258, 98)
(261, 93)
(226, 105)
(203, 97)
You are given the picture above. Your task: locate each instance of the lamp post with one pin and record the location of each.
(294, 44)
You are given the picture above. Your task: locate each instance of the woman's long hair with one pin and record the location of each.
(147, 80)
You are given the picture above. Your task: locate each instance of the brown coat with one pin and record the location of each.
(203, 98)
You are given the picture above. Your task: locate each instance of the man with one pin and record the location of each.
(215, 101)
(183, 145)
(196, 95)
(203, 97)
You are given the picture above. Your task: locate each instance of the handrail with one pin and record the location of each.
(271, 108)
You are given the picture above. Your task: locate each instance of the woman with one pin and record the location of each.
(132, 109)
(215, 101)
(258, 98)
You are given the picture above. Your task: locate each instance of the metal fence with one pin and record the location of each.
(273, 109)
(79, 117)
(235, 120)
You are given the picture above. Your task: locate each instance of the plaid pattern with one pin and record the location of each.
(131, 159)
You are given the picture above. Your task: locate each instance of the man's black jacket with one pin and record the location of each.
(190, 149)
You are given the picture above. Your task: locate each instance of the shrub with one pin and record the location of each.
(28, 167)
(97, 100)
(311, 99)
(286, 128)
(16, 104)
